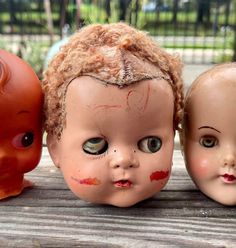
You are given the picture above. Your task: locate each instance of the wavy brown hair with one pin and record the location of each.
(82, 55)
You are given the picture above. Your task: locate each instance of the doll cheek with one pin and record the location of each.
(200, 168)
(158, 175)
(87, 181)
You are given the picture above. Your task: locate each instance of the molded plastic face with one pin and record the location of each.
(210, 135)
(117, 145)
(21, 102)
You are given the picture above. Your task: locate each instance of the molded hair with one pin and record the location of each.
(82, 55)
(212, 72)
(4, 74)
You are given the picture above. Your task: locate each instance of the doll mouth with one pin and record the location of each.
(228, 178)
(123, 184)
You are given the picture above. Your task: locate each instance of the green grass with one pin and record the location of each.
(160, 24)
(222, 58)
(33, 22)
(155, 23)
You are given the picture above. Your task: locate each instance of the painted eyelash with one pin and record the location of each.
(98, 156)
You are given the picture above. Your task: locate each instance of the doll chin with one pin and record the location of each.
(226, 200)
(14, 189)
(116, 200)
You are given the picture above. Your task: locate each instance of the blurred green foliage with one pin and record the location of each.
(26, 18)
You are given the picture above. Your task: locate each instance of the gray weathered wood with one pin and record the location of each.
(49, 215)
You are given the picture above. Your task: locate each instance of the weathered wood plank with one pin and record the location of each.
(119, 229)
(49, 215)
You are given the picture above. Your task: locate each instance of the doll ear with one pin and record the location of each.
(52, 145)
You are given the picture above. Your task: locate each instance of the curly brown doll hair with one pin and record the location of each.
(115, 54)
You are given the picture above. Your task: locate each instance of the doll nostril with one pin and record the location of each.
(229, 162)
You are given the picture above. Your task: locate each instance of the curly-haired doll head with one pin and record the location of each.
(113, 100)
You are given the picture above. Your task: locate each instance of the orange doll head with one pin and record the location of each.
(209, 136)
(21, 101)
(113, 102)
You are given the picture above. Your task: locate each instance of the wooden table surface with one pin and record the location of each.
(49, 215)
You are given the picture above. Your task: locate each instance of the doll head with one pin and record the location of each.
(113, 101)
(209, 133)
(21, 102)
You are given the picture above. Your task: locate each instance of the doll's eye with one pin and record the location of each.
(23, 140)
(95, 146)
(208, 141)
(150, 144)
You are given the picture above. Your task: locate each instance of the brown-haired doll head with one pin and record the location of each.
(209, 133)
(114, 98)
(21, 104)
(114, 53)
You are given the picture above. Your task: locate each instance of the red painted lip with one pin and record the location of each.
(229, 178)
(123, 184)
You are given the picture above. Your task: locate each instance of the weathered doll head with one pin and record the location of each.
(21, 103)
(113, 102)
(209, 136)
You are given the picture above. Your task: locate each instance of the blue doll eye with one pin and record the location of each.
(95, 146)
(208, 141)
(23, 140)
(150, 144)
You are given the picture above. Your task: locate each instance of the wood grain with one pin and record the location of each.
(49, 215)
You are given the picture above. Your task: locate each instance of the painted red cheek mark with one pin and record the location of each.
(158, 175)
(90, 181)
(87, 181)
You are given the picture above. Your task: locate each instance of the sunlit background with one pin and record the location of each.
(201, 31)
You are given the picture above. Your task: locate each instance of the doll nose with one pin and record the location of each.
(124, 159)
(229, 159)
(6, 159)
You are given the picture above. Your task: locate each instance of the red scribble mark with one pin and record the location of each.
(158, 175)
(107, 106)
(141, 100)
(127, 98)
(147, 97)
(87, 181)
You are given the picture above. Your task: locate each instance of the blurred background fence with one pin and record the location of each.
(201, 31)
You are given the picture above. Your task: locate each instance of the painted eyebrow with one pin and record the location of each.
(23, 112)
(209, 128)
